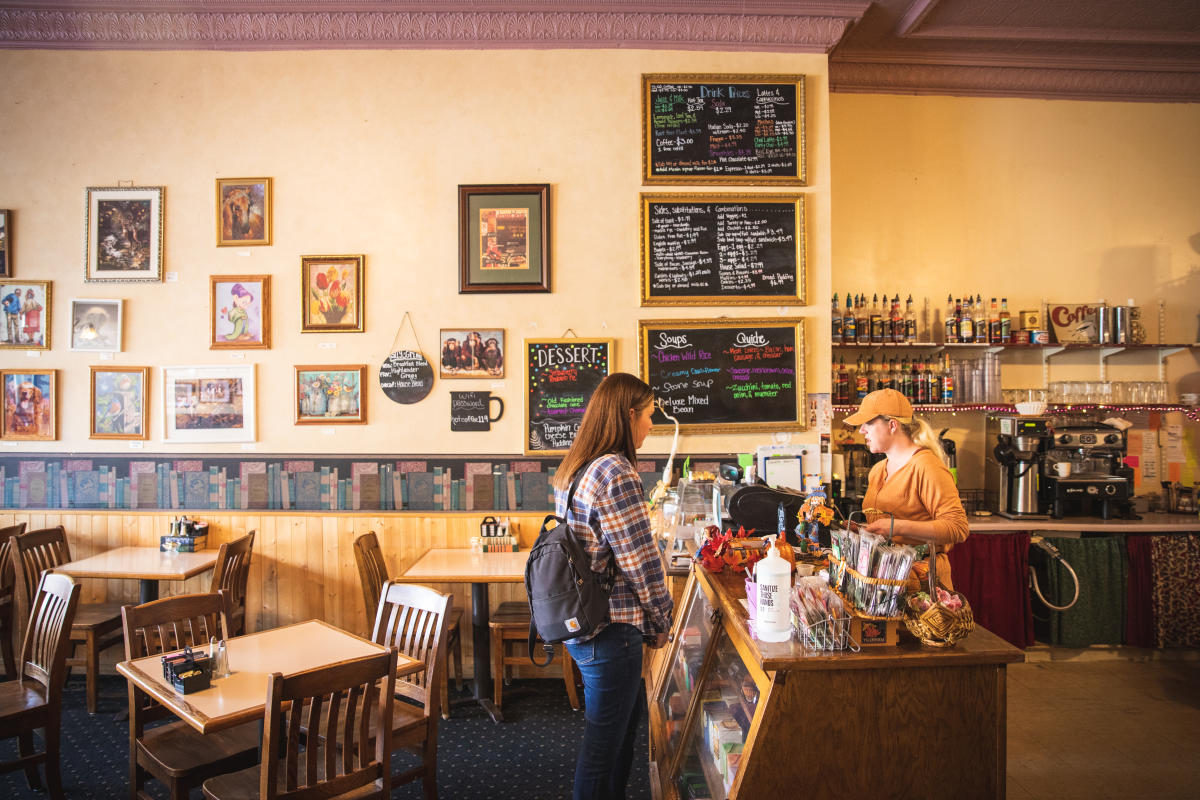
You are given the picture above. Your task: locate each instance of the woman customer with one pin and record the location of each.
(608, 515)
(912, 484)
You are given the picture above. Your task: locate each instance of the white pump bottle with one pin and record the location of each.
(773, 577)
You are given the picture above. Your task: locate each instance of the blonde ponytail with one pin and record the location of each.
(923, 435)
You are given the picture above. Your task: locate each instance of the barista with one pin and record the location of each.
(912, 484)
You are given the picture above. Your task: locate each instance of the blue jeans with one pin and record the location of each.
(611, 665)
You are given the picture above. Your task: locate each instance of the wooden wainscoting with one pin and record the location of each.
(303, 565)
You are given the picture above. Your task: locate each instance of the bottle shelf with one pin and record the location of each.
(1191, 412)
(979, 346)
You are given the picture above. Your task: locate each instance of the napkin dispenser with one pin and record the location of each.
(187, 671)
(491, 527)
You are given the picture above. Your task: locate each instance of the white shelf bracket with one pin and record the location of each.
(1105, 352)
(1047, 354)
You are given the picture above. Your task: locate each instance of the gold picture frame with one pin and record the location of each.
(25, 318)
(124, 234)
(30, 405)
(331, 394)
(119, 403)
(244, 212)
(325, 304)
(239, 309)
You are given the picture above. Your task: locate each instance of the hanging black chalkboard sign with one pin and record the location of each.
(406, 377)
(726, 376)
(746, 129)
(722, 249)
(560, 376)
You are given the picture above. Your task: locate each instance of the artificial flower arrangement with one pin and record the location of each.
(736, 550)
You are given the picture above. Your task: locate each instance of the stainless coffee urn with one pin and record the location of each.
(1013, 470)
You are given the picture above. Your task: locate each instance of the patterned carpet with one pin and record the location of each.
(531, 756)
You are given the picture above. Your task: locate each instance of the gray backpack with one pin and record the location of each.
(566, 598)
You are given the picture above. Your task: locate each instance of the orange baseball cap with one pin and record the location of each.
(883, 403)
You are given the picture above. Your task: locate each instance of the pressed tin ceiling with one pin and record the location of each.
(1087, 49)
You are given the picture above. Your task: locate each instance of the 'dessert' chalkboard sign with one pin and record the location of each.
(726, 377)
(722, 249)
(560, 376)
(746, 129)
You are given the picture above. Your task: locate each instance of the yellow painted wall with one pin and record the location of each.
(366, 150)
(1032, 199)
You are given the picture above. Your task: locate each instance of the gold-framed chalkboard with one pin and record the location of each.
(560, 376)
(725, 376)
(722, 249)
(743, 129)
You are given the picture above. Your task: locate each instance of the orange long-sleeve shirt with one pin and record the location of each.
(922, 490)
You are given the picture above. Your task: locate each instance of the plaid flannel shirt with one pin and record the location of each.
(609, 517)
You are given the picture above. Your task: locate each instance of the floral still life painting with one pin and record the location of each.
(119, 402)
(241, 312)
(30, 403)
(330, 394)
(332, 293)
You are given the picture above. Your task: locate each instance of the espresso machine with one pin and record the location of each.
(1013, 472)
(1084, 473)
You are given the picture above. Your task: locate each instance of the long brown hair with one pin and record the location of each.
(606, 427)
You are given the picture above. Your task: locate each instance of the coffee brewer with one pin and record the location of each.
(1013, 474)
(1084, 473)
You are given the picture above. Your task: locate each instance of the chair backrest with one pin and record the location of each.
(230, 575)
(372, 571)
(337, 706)
(413, 619)
(172, 623)
(35, 552)
(48, 636)
(8, 574)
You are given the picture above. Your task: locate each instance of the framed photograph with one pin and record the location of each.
(331, 294)
(504, 238)
(118, 408)
(209, 404)
(243, 212)
(472, 353)
(5, 243)
(124, 234)
(26, 307)
(96, 325)
(30, 404)
(239, 312)
(331, 394)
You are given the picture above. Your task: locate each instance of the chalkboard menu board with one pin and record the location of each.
(560, 376)
(406, 377)
(727, 376)
(726, 249)
(746, 129)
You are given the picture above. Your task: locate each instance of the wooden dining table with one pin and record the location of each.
(463, 565)
(147, 565)
(242, 695)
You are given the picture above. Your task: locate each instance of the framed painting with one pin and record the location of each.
(209, 404)
(504, 238)
(5, 243)
(331, 294)
(30, 404)
(118, 407)
(472, 353)
(239, 312)
(26, 307)
(96, 325)
(331, 394)
(124, 234)
(243, 212)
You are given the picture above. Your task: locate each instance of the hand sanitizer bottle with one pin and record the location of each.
(773, 575)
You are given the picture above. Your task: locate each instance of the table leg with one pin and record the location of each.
(481, 636)
(148, 591)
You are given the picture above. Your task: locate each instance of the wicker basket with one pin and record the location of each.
(857, 577)
(937, 625)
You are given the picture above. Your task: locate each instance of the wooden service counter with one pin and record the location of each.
(1149, 523)
(903, 721)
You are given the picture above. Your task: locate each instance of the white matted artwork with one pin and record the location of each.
(209, 404)
(96, 324)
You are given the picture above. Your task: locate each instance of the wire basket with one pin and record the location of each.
(831, 633)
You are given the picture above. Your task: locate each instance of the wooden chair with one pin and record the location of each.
(346, 760)
(97, 625)
(415, 620)
(509, 624)
(8, 598)
(34, 699)
(175, 753)
(372, 573)
(229, 576)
